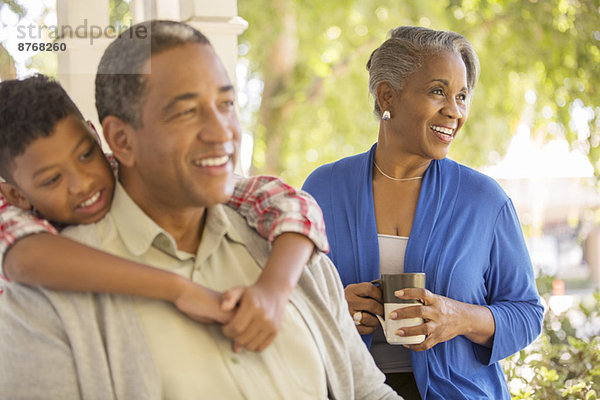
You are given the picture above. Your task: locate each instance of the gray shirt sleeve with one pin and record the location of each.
(367, 380)
(65, 345)
(36, 360)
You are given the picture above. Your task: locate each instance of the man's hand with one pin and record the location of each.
(201, 304)
(363, 297)
(258, 316)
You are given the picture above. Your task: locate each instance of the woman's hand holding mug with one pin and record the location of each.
(364, 301)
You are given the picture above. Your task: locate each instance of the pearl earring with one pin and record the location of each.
(386, 115)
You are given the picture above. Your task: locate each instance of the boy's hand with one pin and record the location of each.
(258, 317)
(202, 304)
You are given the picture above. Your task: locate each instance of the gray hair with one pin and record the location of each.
(405, 51)
(120, 87)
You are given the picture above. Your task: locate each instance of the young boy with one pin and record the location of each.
(54, 168)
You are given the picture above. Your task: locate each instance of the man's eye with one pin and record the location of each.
(188, 111)
(182, 114)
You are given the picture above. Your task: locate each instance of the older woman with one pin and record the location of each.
(403, 207)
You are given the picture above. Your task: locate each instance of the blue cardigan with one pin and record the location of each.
(467, 238)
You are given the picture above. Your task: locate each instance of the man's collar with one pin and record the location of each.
(139, 232)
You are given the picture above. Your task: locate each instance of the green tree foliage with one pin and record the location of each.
(7, 63)
(119, 13)
(42, 62)
(46, 62)
(315, 107)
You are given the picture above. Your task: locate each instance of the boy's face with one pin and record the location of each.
(65, 176)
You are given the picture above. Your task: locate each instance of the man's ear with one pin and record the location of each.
(385, 95)
(120, 137)
(14, 196)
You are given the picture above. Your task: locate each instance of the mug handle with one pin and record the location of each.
(377, 282)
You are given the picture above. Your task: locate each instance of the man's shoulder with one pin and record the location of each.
(256, 244)
(259, 248)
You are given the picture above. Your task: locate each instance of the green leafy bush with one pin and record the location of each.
(564, 362)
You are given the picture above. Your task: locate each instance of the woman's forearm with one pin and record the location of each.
(479, 324)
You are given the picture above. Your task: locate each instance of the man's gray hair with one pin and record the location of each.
(120, 86)
(405, 51)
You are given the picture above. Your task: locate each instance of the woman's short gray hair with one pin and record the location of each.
(406, 49)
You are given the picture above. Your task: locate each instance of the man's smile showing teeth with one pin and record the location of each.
(90, 201)
(212, 162)
(442, 130)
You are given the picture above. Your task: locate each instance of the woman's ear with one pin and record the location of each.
(120, 137)
(385, 95)
(14, 196)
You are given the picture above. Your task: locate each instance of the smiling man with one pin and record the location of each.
(167, 110)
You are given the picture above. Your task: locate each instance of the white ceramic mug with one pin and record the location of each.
(390, 283)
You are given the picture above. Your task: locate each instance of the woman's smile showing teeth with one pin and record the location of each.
(443, 133)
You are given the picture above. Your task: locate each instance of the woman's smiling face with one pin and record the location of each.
(431, 107)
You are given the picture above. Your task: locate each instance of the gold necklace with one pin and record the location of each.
(396, 179)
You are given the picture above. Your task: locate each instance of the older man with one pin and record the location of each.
(167, 111)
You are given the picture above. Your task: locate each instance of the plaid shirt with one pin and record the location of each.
(269, 205)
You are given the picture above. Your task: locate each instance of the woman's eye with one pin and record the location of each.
(462, 97)
(437, 91)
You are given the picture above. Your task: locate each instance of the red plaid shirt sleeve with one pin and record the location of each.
(272, 207)
(16, 223)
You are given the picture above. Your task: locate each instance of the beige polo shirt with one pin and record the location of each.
(195, 361)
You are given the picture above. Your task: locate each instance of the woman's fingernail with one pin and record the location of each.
(399, 293)
(393, 315)
(400, 332)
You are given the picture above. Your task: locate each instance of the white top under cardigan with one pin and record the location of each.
(390, 358)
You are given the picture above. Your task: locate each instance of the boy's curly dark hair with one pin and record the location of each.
(29, 110)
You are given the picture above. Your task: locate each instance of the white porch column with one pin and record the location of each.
(84, 28)
(218, 20)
